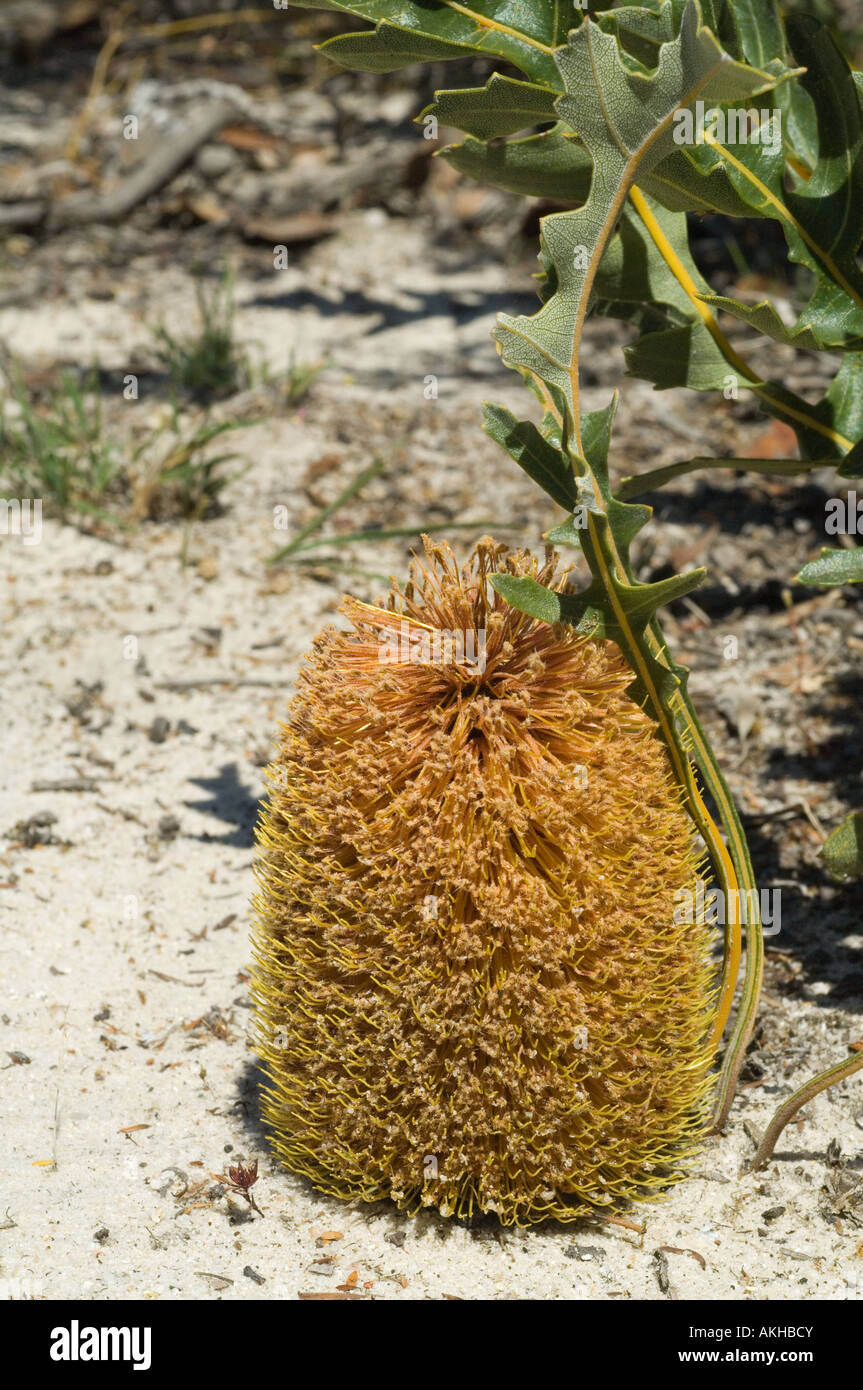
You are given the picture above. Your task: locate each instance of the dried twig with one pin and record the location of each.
(166, 161)
(70, 784)
(119, 36)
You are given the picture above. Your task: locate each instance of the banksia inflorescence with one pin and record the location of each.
(472, 991)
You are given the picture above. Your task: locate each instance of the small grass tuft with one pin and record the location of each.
(299, 379)
(181, 478)
(208, 364)
(55, 447)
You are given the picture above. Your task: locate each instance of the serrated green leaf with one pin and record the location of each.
(843, 849)
(410, 31)
(624, 146)
(547, 165)
(834, 567)
(388, 48)
(681, 357)
(642, 31)
(747, 29)
(541, 461)
(528, 596)
(649, 262)
(635, 269)
(764, 317)
(639, 601)
(694, 180)
(503, 106)
(822, 216)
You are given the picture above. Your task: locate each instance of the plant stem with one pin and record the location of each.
(753, 381)
(840, 1072)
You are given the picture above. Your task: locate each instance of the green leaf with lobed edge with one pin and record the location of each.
(643, 29)
(406, 32)
(549, 165)
(690, 357)
(541, 461)
(843, 849)
(822, 215)
(834, 567)
(503, 106)
(692, 179)
(685, 356)
(614, 605)
(624, 147)
(764, 317)
(639, 601)
(640, 268)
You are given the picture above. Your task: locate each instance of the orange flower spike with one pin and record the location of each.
(472, 991)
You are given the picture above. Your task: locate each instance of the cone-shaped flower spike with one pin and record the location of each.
(473, 988)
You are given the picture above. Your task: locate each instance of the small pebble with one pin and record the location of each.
(35, 831)
(214, 160)
(168, 827)
(584, 1252)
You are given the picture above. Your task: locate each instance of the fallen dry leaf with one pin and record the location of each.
(208, 209)
(248, 138)
(288, 231)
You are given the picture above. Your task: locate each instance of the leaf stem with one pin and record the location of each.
(687, 284)
(840, 1072)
